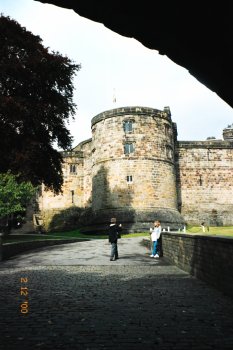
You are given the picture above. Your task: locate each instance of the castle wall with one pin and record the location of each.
(134, 168)
(58, 211)
(86, 149)
(205, 181)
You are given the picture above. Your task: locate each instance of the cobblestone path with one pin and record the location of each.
(139, 305)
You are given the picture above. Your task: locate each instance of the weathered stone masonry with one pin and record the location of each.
(205, 181)
(134, 168)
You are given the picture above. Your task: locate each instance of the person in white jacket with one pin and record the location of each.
(155, 234)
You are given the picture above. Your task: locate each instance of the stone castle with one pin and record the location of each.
(135, 169)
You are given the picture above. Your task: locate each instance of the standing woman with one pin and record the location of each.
(155, 235)
(114, 234)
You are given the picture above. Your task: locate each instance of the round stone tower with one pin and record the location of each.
(133, 170)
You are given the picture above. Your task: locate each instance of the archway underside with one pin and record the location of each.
(196, 35)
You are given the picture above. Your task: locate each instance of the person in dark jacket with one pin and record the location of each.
(114, 232)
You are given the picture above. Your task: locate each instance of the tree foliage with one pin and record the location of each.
(14, 196)
(36, 103)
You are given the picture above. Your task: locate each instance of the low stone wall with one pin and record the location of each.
(206, 257)
(10, 249)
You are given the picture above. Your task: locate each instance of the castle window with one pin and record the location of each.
(72, 169)
(72, 196)
(128, 148)
(167, 129)
(169, 152)
(200, 180)
(129, 178)
(128, 126)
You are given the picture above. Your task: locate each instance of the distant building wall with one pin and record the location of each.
(62, 211)
(86, 148)
(205, 181)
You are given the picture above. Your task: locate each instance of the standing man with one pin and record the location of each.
(203, 226)
(155, 235)
(114, 234)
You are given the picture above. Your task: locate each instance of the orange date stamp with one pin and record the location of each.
(24, 306)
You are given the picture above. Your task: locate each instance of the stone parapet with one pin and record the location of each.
(207, 258)
(222, 144)
(12, 249)
(122, 111)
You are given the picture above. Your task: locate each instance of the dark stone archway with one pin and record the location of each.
(196, 35)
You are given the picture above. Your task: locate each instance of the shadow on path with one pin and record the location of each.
(92, 252)
(112, 307)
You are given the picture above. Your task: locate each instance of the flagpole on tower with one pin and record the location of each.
(114, 96)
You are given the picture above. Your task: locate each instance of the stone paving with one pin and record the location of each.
(72, 297)
(93, 252)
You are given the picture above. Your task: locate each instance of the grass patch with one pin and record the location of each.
(74, 234)
(213, 230)
(222, 231)
(78, 234)
(139, 234)
(28, 238)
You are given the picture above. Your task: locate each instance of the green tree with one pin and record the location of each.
(14, 196)
(36, 102)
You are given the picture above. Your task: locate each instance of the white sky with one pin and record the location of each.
(110, 62)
